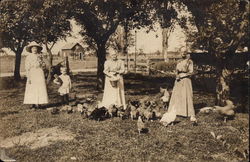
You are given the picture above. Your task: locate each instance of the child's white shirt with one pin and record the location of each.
(66, 84)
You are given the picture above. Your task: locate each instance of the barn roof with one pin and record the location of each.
(70, 45)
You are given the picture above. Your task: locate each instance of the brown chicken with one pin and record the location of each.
(226, 111)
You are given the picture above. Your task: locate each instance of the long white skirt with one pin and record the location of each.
(113, 95)
(182, 98)
(36, 92)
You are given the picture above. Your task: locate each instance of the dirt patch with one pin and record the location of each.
(40, 138)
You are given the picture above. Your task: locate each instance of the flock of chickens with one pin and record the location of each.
(145, 109)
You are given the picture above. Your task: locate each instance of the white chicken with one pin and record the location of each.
(140, 125)
(168, 118)
(227, 110)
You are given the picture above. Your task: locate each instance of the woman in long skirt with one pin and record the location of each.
(114, 85)
(181, 102)
(35, 91)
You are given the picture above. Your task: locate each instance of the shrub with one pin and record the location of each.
(164, 66)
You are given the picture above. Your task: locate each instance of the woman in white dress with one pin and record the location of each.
(114, 85)
(36, 90)
(181, 102)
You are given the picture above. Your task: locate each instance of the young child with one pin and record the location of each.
(65, 85)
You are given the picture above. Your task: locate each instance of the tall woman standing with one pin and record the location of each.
(114, 85)
(36, 90)
(181, 102)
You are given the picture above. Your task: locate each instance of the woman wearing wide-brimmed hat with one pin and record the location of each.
(36, 90)
(114, 85)
(181, 102)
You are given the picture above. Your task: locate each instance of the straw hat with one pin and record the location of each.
(34, 44)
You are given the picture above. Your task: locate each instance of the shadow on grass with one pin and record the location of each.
(3, 114)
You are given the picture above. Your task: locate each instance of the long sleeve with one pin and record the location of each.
(106, 68)
(27, 66)
(190, 67)
(122, 68)
(70, 85)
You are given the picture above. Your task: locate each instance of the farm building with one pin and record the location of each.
(73, 51)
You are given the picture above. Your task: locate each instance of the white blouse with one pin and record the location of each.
(111, 67)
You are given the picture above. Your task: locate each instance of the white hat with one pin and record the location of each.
(34, 44)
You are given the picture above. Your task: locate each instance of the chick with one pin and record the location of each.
(140, 125)
(226, 111)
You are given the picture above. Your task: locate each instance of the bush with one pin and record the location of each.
(164, 66)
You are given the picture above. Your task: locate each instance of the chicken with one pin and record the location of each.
(158, 112)
(168, 118)
(79, 108)
(57, 80)
(140, 125)
(143, 106)
(206, 110)
(67, 108)
(148, 113)
(166, 96)
(120, 112)
(112, 110)
(98, 113)
(54, 111)
(226, 111)
(133, 112)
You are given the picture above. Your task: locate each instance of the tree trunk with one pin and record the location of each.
(50, 63)
(222, 87)
(101, 54)
(17, 75)
(67, 64)
(165, 34)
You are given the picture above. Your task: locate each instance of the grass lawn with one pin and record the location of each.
(116, 139)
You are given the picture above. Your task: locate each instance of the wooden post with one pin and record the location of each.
(135, 52)
(67, 64)
(148, 66)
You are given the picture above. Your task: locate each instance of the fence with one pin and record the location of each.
(141, 65)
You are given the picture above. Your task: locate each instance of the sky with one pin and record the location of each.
(148, 42)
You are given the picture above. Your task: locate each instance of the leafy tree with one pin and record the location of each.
(14, 29)
(43, 21)
(100, 18)
(49, 23)
(223, 26)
